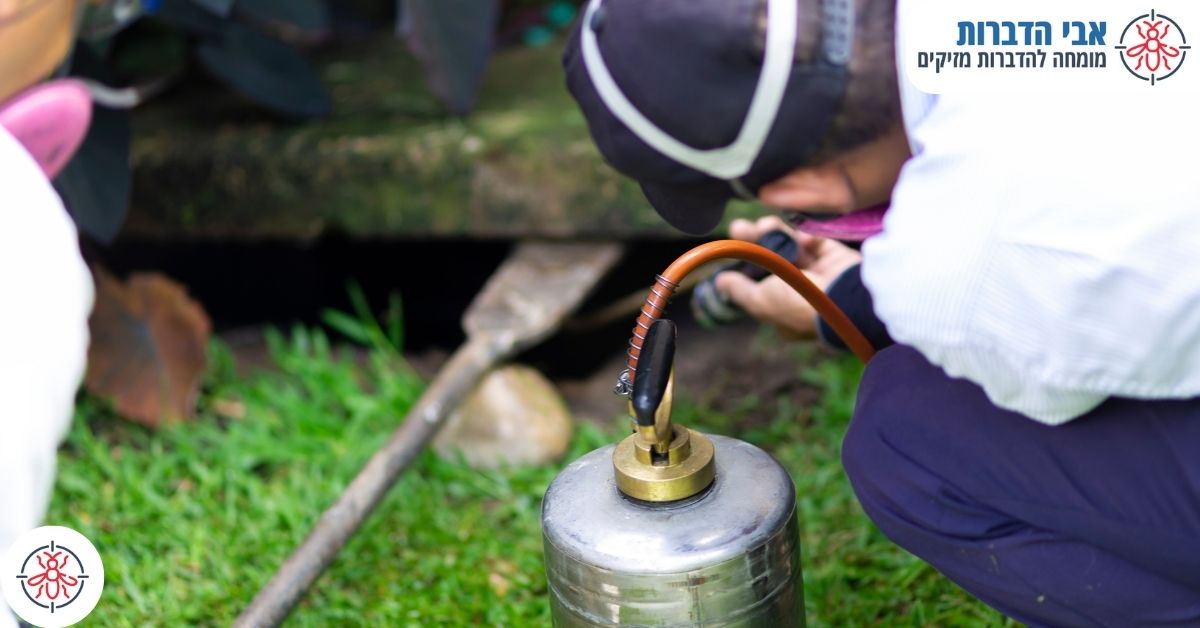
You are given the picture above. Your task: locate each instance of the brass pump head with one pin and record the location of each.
(660, 462)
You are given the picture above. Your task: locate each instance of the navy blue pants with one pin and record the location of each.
(1092, 523)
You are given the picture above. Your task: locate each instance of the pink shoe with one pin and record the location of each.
(50, 120)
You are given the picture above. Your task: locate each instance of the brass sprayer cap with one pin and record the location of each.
(660, 462)
(685, 470)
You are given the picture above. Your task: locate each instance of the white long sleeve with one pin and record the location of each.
(45, 298)
(1047, 249)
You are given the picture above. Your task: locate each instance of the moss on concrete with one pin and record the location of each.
(387, 163)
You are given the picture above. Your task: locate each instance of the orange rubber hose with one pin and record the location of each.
(668, 281)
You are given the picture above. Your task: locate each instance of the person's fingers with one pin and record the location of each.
(771, 222)
(834, 260)
(813, 253)
(771, 301)
(774, 222)
(742, 229)
(808, 249)
(778, 304)
(742, 290)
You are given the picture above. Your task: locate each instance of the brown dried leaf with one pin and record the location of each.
(148, 347)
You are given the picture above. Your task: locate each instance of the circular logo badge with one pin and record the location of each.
(52, 577)
(1153, 47)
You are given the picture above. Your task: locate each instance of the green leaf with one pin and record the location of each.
(95, 184)
(346, 325)
(453, 39)
(264, 70)
(151, 50)
(358, 300)
(305, 17)
(395, 321)
(220, 8)
(186, 16)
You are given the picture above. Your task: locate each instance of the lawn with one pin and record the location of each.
(192, 519)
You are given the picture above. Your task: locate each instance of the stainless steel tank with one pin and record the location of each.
(712, 541)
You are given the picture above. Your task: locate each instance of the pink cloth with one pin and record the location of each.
(853, 227)
(50, 120)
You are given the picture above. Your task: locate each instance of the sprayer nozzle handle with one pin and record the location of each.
(653, 376)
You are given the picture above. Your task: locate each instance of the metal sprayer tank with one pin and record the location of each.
(670, 527)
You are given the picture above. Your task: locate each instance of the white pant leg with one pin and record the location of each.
(45, 298)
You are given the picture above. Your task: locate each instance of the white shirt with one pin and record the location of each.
(45, 298)
(1047, 249)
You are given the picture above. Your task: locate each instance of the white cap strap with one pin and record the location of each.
(734, 160)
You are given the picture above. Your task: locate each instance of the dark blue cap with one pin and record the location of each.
(685, 97)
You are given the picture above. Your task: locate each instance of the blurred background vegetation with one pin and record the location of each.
(131, 51)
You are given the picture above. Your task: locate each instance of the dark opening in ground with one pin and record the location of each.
(254, 284)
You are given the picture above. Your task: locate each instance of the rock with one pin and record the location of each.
(514, 417)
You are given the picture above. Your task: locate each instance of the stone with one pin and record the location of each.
(514, 416)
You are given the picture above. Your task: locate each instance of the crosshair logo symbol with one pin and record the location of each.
(1153, 47)
(52, 577)
(57, 579)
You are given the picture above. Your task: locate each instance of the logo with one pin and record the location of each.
(1153, 47)
(52, 577)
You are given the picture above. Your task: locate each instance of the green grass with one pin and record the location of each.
(853, 576)
(192, 519)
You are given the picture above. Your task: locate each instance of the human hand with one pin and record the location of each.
(773, 301)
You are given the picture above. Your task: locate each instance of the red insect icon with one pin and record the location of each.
(52, 582)
(1153, 52)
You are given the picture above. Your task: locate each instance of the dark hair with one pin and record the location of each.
(871, 106)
